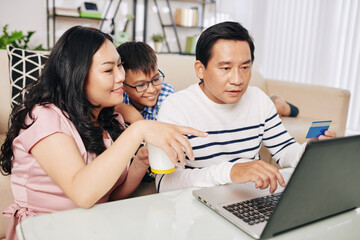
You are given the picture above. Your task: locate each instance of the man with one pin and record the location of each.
(237, 117)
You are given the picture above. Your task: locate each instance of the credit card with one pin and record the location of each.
(318, 128)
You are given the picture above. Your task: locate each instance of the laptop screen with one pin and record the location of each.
(322, 185)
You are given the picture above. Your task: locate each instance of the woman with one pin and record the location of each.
(66, 147)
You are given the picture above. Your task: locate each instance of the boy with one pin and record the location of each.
(239, 118)
(144, 83)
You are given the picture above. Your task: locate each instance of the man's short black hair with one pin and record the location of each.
(225, 30)
(138, 57)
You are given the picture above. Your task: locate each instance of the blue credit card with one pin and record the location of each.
(318, 128)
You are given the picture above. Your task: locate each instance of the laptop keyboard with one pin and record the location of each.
(255, 210)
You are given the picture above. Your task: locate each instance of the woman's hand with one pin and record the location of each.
(169, 137)
(136, 172)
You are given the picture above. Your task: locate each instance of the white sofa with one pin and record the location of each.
(314, 103)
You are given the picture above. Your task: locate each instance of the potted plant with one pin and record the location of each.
(158, 39)
(17, 39)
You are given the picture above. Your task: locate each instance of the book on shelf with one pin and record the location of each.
(90, 14)
(190, 45)
(186, 17)
(65, 11)
(89, 10)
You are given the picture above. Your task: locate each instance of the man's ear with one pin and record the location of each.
(199, 69)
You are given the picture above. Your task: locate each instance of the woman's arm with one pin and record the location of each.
(84, 184)
(59, 156)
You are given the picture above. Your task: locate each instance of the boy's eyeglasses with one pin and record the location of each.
(141, 87)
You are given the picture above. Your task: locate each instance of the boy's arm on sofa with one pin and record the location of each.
(314, 102)
(129, 113)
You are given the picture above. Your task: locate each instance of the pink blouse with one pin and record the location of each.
(34, 191)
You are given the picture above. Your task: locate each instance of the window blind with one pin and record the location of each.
(307, 41)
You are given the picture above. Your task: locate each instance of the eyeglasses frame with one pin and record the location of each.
(147, 82)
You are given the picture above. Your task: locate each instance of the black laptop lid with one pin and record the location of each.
(324, 183)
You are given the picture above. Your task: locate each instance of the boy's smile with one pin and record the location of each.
(147, 98)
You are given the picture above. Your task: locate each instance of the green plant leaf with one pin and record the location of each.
(158, 37)
(16, 39)
(29, 34)
(17, 35)
(5, 30)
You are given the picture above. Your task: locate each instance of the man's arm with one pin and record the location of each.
(293, 153)
(262, 174)
(282, 146)
(184, 178)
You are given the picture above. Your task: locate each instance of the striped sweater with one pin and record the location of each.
(236, 132)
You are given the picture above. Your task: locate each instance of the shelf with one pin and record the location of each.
(181, 53)
(70, 16)
(54, 14)
(201, 8)
(180, 26)
(194, 1)
(188, 54)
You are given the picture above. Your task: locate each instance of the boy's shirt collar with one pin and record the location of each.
(145, 112)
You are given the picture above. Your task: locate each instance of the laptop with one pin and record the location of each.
(322, 185)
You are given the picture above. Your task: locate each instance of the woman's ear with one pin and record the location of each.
(199, 69)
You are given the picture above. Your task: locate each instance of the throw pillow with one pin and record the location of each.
(25, 68)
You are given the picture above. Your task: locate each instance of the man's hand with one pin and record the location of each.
(327, 135)
(259, 172)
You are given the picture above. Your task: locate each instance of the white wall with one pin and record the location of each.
(26, 16)
(29, 15)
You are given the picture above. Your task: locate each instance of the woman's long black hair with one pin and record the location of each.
(62, 83)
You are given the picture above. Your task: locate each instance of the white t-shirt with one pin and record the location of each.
(236, 132)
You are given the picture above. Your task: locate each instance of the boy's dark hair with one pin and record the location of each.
(225, 30)
(138, 56)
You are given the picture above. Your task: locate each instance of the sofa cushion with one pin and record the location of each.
(178, 69)
(25, 68)
(5, 95)
(6, 200)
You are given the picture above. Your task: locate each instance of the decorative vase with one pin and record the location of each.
(158, 46)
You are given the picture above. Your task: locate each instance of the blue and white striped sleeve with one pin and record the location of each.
(283, 147)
